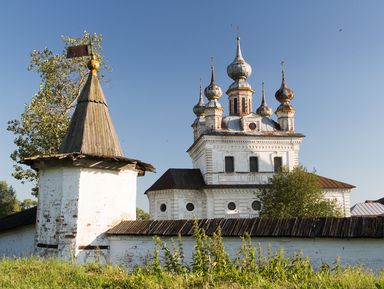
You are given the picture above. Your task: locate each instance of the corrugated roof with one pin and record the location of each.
(193, 179)
(23, 218)
(367, 209)
(358, 227)
(91, 131)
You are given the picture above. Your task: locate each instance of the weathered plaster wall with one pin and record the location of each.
(77, 205)
(131, 251)
(18, 242)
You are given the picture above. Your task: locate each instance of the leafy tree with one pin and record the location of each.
(8, 200)
(44, 122)
(141, 214)
(296, 193)
(27, 203)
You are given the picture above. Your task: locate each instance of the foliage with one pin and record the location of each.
(296, 193)
(8, 200)
(141, 214)
(44, 122)
(27, 203)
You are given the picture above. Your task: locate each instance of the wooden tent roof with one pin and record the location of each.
(91, 131)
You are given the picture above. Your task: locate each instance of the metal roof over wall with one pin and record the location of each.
(362, 227)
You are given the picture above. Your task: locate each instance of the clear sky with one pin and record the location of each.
(158, 50)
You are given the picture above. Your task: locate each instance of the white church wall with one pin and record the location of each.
(218, 201)
(342, 197)
(209, 156)
(131, 251)
(175, 202)
(18, 242)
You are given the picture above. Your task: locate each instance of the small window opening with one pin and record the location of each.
(256, 205)
(235, 105)
(163, 207)
(243, 104)
(190, 207)
(231, 206)
(277, 164)
(229, 165)
(253, 164)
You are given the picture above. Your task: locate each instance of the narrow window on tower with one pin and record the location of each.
(253, 164)
(243, 104)
(277, 163)
(230, 107)
(229, 165)
(235, 106)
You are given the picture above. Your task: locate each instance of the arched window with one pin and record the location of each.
(235, 106)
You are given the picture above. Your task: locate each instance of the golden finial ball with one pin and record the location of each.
(94, 65)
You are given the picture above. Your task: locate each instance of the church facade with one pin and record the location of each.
(234, 156)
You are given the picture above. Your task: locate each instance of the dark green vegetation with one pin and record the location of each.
(211, 267)
(296, 193)
(8, 201)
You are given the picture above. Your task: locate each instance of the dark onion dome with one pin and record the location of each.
(285, 107)
(284, 93)
(239, 69)
(199, 108)
(264, 110)
(213, 91)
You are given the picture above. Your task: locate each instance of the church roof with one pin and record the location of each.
(327, 227)
(367, 209)
(91, 131)
(192, 179)
(179, 179)
(23, 218)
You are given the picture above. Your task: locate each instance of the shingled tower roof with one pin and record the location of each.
(91, 139)
(91, 131)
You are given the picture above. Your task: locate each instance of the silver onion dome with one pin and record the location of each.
(213, 91)
(264, 110)
(199, 108)
(284, 93)
(239, 69)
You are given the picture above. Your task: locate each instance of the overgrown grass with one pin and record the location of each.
(39, 273)
(211, 267)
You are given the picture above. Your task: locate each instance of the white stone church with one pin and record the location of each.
(87, 192)
(233, 156)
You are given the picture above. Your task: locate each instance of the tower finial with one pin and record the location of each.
(201, 90)
(263, 93)
(212, 71)
(239, 55)
(282, 70)
(94, 63)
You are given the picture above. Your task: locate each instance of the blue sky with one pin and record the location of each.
(158, 50)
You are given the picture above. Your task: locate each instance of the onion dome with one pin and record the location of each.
(213, 91)
(284, 94)
(239, 69)
(264, 110)
(199, 108)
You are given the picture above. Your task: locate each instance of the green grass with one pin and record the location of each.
(52, 273)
